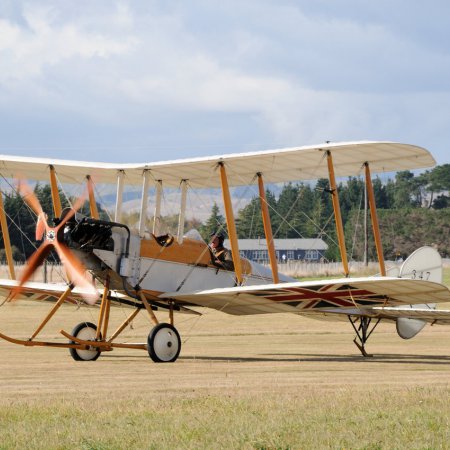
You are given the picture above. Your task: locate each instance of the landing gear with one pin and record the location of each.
(363, 332)
(85, 331)
(164, 343)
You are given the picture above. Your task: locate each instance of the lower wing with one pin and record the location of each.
(374, 296)
(46, 292)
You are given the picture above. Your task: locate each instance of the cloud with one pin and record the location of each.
(256, 73)
(27, 51)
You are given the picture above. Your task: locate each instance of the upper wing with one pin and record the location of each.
(281, 165)
(347, 296)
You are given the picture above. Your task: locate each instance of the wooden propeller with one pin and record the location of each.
(53, 240)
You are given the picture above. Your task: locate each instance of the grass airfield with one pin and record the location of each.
(272, 381)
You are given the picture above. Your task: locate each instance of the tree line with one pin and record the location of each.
(413, 210)
(21, 220)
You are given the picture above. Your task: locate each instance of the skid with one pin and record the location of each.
(363, 332)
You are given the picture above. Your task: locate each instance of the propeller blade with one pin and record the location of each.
(34, 261)
(33, 202)
(74, 268)
(79, 201)
(75, 207)
(76, 272)
(41, 227)
(29, 196)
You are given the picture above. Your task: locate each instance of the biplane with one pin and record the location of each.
(148, 271)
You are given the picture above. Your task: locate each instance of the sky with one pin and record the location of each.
(143, 81)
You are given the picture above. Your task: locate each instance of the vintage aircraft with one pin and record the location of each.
(148, 271)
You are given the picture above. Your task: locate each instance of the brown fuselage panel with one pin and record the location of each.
(189, 252)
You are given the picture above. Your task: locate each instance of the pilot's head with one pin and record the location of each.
(216, 240)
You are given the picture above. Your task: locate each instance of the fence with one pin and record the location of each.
(301, 269)
(50, 273)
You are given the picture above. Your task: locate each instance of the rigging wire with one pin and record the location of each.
(21, 236)
(60, 186)
(283, 219)
(251, 223)
(101, 201)
(356, 225)
(321, 231)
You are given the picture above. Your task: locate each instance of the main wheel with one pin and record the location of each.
(164, 343)
(86, 331)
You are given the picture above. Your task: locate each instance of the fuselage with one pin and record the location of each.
(155, 265)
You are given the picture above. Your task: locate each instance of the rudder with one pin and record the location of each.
(423, 264)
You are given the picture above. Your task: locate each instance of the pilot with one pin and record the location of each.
(221, 256)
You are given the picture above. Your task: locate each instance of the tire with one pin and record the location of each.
(86, 331)
(164, 343)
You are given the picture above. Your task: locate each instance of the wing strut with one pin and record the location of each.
(231, 225)
(267, 228)
(55, 308)
(92, 202)
(144, 202)
(374, 219)
(182, 212)
(103, 316)
(6, 239)
(119, 196)
(57, 208)
(337, 213)
(157, 212)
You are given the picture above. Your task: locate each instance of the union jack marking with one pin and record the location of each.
(326, 296)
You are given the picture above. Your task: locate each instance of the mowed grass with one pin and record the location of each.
(257, 382)
(390, 418)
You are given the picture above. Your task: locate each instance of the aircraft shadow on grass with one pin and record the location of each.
(311, 357)
(380, 358)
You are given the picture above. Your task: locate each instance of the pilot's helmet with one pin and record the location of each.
(219, 235)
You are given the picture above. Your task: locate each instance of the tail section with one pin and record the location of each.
(423, 264)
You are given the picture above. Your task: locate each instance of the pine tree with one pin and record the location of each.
(403, 189)
(287, 205)
(249, 221)
(215, 222)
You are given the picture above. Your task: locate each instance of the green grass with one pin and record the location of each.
(251, 382)
(407, 418)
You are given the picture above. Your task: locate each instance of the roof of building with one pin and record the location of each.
(281, 244)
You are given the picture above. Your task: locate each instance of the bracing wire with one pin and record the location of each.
(251, 223)
(356, 226)
(101, 201)
(284, 219)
